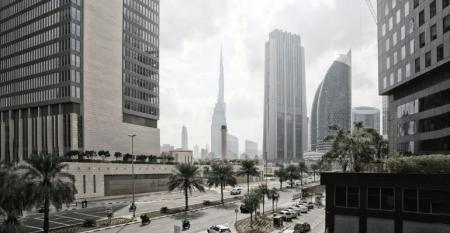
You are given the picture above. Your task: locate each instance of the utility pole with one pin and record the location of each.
(132, 173)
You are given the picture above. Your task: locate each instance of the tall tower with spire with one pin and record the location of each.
(219, 115)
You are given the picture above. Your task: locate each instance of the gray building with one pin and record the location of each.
(285, 124)
(369, 116)
(184, 138)
(413, 72)
(78, 75)
(332, 102)
(385, 114)
(251, 148)
(232, 147)
(219, 116)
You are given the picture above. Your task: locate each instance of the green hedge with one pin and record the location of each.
(430, 164)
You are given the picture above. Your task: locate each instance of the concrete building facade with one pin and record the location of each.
(285, 130)
(232, 147)
(70, 78)
(413, 72)
(184, 138)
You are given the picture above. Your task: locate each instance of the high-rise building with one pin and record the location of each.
(184, 138)
(167, 148)
(219, 115)
(78, 75)
(285, 113)
(196, 151)
(251, 148)
(232, 147)
(204, 153)
(413, 71)
(332, 102)
(369, 116)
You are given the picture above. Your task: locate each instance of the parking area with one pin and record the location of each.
(315, 218)
(33, 223)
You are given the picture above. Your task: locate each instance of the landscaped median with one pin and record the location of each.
(122, 220)
(263, 224)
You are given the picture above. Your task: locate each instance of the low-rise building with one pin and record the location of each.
(182, 156)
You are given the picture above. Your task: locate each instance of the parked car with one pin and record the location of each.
(287, 216)
(236, 191)
(302, 227)
(303, 208)
(218, 229)
(310, 205)
(244, 209)
(293, 212)
(296, 209)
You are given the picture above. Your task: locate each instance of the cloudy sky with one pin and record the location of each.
(192, 32)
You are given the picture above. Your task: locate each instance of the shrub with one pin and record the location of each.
(425, 164)
(164, 209)
(89, 223)
(206, 202)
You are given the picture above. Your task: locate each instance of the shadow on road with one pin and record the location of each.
(189, 215)
(227, 206)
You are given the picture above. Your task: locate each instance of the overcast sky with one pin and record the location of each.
(192, 32)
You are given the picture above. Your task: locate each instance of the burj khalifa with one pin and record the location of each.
(219, 115)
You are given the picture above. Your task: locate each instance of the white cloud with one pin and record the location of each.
(192, 32)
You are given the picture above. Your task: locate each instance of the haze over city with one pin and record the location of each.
(192, 33)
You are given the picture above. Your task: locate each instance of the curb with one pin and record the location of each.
(155, 218)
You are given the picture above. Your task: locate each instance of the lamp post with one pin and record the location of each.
(132, 172)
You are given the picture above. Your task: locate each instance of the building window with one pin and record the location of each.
(384, 82)
(402, 32)
(408, 70)
(392, 79)
(428, 59)
(445, 3)
(411, 46)
(406, 8)
(347, 197)
(387, 44)
(84, 183)
(421, 18)
(373, 198)
(440, 52)
(387, 198)
(422, 39)
(416, 3)
(394, 39)
(446, 23)
(433, 32)
(410, 200)
(95, 183)
(403, 52)
(388, 62)
(398, 16)
(395, 57)
(390, 23)
(399, 75)
(417, 65)
(383, 29)
(432, 9)
(380, 198)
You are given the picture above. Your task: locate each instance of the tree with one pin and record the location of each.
(302, 168)
(13, 199)
(90, 154)
(263, 190)
(340, 147)
(281, 173)
(381, 145)
(248, 168)
(49, 182)
(104, 154)
(315, 167)
(186, 177)
(361, 147)
(273, 195)
(117, 155)
(127, 158)
(292, 173)
(141, 158)
(221, 174)
(251, 200)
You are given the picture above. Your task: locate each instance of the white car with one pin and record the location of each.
(296, 209)
(287, 216)
(288, 231)
(236, 191)
(218, 229)
(293, 212)
(303, 208)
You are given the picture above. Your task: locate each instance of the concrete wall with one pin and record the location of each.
(346, 224)
(102, 84)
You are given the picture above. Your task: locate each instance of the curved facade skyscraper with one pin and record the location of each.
(332, 102)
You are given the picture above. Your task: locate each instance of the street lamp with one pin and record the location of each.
(132, 171)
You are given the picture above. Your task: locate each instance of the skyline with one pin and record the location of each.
(242, 36)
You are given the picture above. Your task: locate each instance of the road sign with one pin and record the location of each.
(236, 210)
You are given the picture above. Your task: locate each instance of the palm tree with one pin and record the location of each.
(186, 177)
(251, 200)
(282, 176)
(380, 144)
(302, 168)
(273, 195)
(248, 168)
(314, 167)
(263, 190)
(117, 155)
(292, 173)
(221, 174)
(361, 147)
(49, 182)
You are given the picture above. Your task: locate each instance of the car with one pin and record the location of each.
(303, 208)
(236, 191)
(218, 229)
(244, 209)
(310, 205)
(296, 209)
(287, 216)
(302, 227)
(293, 212)
(289, 231)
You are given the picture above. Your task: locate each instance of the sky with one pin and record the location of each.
(193, 31)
